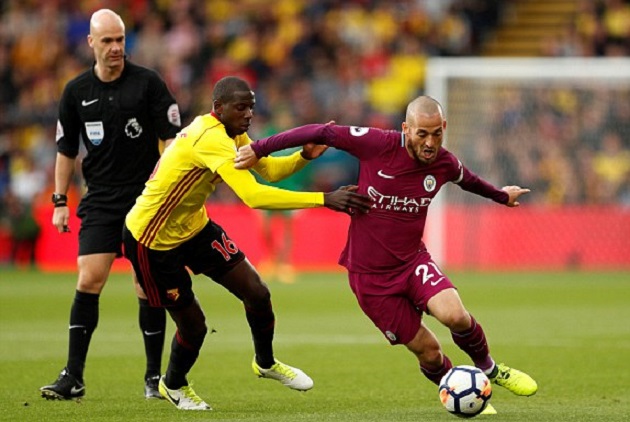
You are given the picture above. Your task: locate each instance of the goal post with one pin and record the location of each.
(539, 123)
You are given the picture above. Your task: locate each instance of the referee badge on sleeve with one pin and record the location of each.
(59, 134)
(173, 115)
(95, 132)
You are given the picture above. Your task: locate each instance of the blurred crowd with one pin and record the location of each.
(568, 142)
(353, 61)
(599, 28)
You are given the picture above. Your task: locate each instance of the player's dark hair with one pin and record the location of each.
(225, 88)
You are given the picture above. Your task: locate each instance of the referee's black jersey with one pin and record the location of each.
(120, 123)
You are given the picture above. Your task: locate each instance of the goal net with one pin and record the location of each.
(558, 126)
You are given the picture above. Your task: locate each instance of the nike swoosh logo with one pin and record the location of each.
(87, 103)
(171, 398)
(151, 333)
(76, 326)
(75, 390)
(436, 282)
(385, 176)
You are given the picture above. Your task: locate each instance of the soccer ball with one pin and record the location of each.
(465, 391)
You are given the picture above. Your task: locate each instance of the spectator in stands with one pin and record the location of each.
(23, 229)
(611, 165)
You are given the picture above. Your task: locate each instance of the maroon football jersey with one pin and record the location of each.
(390, 235)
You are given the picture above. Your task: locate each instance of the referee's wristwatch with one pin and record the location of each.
(59, 200)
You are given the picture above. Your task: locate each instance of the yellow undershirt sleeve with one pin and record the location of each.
(256, 195)
(274, 169)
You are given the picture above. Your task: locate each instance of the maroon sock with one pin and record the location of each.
(473, 343)
(435, 373)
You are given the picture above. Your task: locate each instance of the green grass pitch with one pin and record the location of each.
(570, 331)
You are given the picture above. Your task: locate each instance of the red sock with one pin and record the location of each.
(473, 343)
(435, 374)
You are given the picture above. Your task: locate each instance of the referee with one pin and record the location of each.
(120, 111)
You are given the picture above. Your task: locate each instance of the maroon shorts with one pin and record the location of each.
(395, 301)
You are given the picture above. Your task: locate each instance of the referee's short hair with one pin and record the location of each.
(225, 88)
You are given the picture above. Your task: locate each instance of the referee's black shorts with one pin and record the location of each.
(164, 275)
(102, 212)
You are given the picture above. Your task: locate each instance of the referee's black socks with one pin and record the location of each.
(153, 326)
(83, 321)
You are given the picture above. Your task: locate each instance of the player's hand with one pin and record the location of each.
(245, 158)
(345, 199)
(312, 151)
(61, 217)
(514, 192)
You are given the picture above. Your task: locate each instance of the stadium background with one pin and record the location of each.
(357, 62)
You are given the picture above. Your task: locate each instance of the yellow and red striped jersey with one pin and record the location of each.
(171, 208)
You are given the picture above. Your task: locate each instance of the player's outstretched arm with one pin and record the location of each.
(246, 157)
(514, 192)
(312, 150)
(299, 136)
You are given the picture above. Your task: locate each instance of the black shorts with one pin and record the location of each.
(164, 275)
(102, 212)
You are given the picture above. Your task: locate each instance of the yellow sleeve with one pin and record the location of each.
(256, 195)
(274, 169)
(215, 149)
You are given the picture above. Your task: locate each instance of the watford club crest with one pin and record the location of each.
(173, 294)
